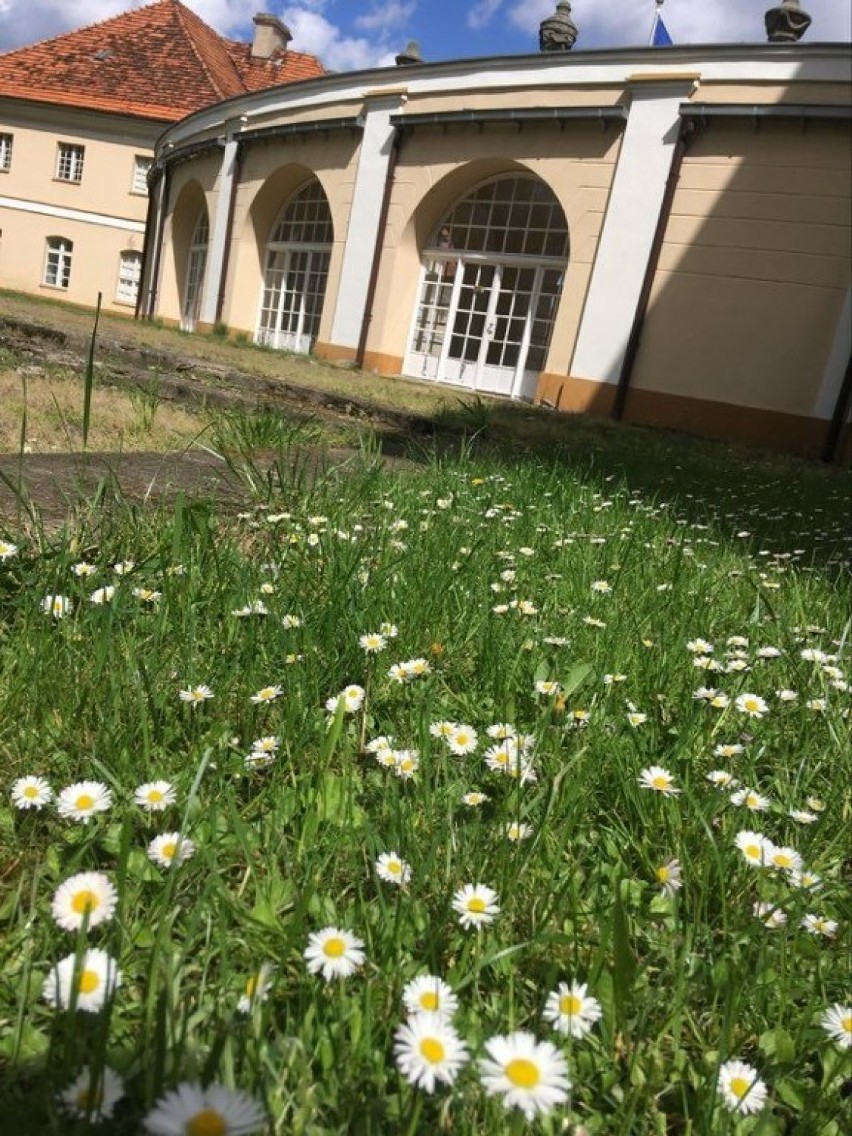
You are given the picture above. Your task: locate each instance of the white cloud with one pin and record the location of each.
(481, 13)
(389, 15)
(313, 33)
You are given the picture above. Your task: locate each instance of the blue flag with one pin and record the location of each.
(660, 36)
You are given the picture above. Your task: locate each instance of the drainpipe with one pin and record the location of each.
(684, 137)
(377, 251)
(841, 413)
(226, 255)
(158, 244)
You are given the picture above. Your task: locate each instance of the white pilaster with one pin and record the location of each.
(364, 217)
(636, 197)
(219, 235)
(838, 360)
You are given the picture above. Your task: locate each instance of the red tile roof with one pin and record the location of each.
(160, 61)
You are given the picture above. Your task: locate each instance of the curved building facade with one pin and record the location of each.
(662, 236)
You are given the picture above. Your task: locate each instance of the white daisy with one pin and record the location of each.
(155, 796)
(474, 799)
(85, 983)
(462, 740)
(393, 869)
(335, 953)
(429, 994)
(516, 831)
(476, 905)
(785, 859)
(530, 1075)
(751, 799)
(31, 793)
(256, 990)
(820, 925)
(212, 1110)
(751, 704)
(669, 877)
(571, 1010)
(373, 642)
(267, 694)
(93, 1094)
(740, 1088)
(7, 550)
(837, 1023)
(88, 898)
(57, 606)
(427, 1050)
(658, 779)
(83, 800)
(196, 694)
(170, 848)
(102, 596)
(755, 847)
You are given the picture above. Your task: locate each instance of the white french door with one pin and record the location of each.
(291, 304)
(484, 325)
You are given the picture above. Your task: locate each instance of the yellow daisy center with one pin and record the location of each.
(429, 1000)
(84, 801)
(432, 1049)
(570, 1004)
(739, 1087)
(31, 791)
(251, 986)
(752, 851)
(84, 901)
(660, 782)
(394, 867)
(783, 860)
(523, 1073)
(663, 874)
(89, 1098)
(90, 980)
(155, 796)
(476, 904)
(334, 948)
(207, 1122)
(846, 1023)
(168, 850)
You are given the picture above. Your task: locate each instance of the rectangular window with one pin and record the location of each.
(5, 152)
(141, 166)
(57, 265)
(69, 164)
(129, 274)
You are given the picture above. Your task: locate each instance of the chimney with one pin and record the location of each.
(270, 36)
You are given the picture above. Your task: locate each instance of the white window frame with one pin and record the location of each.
(141, 167)
(59, 252)
(6, 142)
(70, 157)
(129, 276)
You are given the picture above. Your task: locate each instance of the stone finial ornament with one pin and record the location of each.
(786, 23)
(410, 55)
(558, 32)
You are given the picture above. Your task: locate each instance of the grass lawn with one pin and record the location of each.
(554, 742)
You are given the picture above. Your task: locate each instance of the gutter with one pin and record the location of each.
(686, 130)
(396, 143)
(154, 278)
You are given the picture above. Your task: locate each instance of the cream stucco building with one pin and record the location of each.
(662, 235)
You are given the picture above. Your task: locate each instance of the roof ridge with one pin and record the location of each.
(182, 11)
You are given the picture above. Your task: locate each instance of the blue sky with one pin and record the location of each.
(349, 34)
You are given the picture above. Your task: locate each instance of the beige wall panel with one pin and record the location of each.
(436, 169)
(750, 233)
(771, 93)
(747, 342)
(271, 173)
(803, 209)
(454, 100)
(757, 264)
(94, 262)
(289, 116)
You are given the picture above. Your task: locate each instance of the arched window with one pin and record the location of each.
(296, 271)
(195, 266)
(491, 279)
(57, 263)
